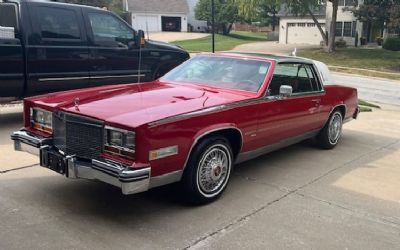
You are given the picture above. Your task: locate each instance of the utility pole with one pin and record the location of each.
(213, 25)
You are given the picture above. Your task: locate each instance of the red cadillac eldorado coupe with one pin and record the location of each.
(191, 126)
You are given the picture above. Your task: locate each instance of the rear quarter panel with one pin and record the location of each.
(340, 95)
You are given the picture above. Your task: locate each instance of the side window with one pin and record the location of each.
(313, 78)
(57, 23)
(297, 75)
(109, 31)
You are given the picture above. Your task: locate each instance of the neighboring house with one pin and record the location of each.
(347, 25)
(302, 29)
(196, 25)
(158, 15)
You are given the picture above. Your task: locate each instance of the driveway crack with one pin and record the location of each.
(199, 242)
(359, 213)
(19, 168)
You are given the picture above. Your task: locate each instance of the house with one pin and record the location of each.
(302, 29)
(294, 29)
(194, 24)
(158, 15)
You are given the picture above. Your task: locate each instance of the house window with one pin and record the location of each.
(346, 3)
(339, 29)
(347, 29)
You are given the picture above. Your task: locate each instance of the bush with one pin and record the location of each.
(392, 44)
(340, 43)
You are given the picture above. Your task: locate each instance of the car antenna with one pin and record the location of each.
(147, 27)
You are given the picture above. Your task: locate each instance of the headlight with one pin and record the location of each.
(41, 120)
(120, 142)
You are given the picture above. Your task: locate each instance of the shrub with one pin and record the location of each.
(341, 43)
(392, 43)
(379, 40)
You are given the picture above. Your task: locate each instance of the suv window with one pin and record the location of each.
(57, 23)
(109, 31)
(8, 15)
(299, 76)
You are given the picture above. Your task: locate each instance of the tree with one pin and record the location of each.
(261, 9)
(226, 13)
(385, 13)
(332, 28)
(297, 7)
(394, 18)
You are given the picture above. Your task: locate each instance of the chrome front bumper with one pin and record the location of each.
(129, 180)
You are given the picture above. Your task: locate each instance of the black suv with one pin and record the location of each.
(57, 46)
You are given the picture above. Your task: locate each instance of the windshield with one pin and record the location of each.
(221, 72)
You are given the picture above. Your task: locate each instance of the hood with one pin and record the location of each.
(132, 105)
(164, 46)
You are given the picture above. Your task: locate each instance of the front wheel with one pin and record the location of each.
(208, 170)
(329, 136)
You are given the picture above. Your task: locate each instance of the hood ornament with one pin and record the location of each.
(76, 102)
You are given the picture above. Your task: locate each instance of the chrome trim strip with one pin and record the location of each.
(120, 76)
(207, 133)
(330, 112)
(63, 79)
(272, 147)
(208, 110)
(87, 77)
(118, 129)
(166, 179)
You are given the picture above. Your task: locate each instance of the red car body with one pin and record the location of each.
(165, 114)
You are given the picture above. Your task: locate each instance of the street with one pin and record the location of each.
(372, 89)
(299, 197)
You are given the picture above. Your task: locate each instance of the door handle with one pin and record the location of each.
(316, 102)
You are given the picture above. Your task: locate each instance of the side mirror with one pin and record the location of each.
(140, 41)
(285, 91)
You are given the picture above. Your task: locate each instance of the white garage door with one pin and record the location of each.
(303, 33)
(146, 23)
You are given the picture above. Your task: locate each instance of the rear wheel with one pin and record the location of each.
(330, 135)
(208, 170)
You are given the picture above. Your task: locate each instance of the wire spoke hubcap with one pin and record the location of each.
(214, 168)
(335, 128)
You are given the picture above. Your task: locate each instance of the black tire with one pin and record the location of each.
(195, 190)
(331, 133)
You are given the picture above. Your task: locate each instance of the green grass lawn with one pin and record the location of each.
(222, 43)
(381, 60)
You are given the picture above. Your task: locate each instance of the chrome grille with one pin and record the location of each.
(77, 135)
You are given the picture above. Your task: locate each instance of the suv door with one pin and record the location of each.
(114, 55)
(57, 51)
(281, 118)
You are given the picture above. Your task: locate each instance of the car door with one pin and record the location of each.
(283, 118)
(57, 50)
(114, 54)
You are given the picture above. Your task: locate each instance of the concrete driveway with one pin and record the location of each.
(297, 198)
(174, 36)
